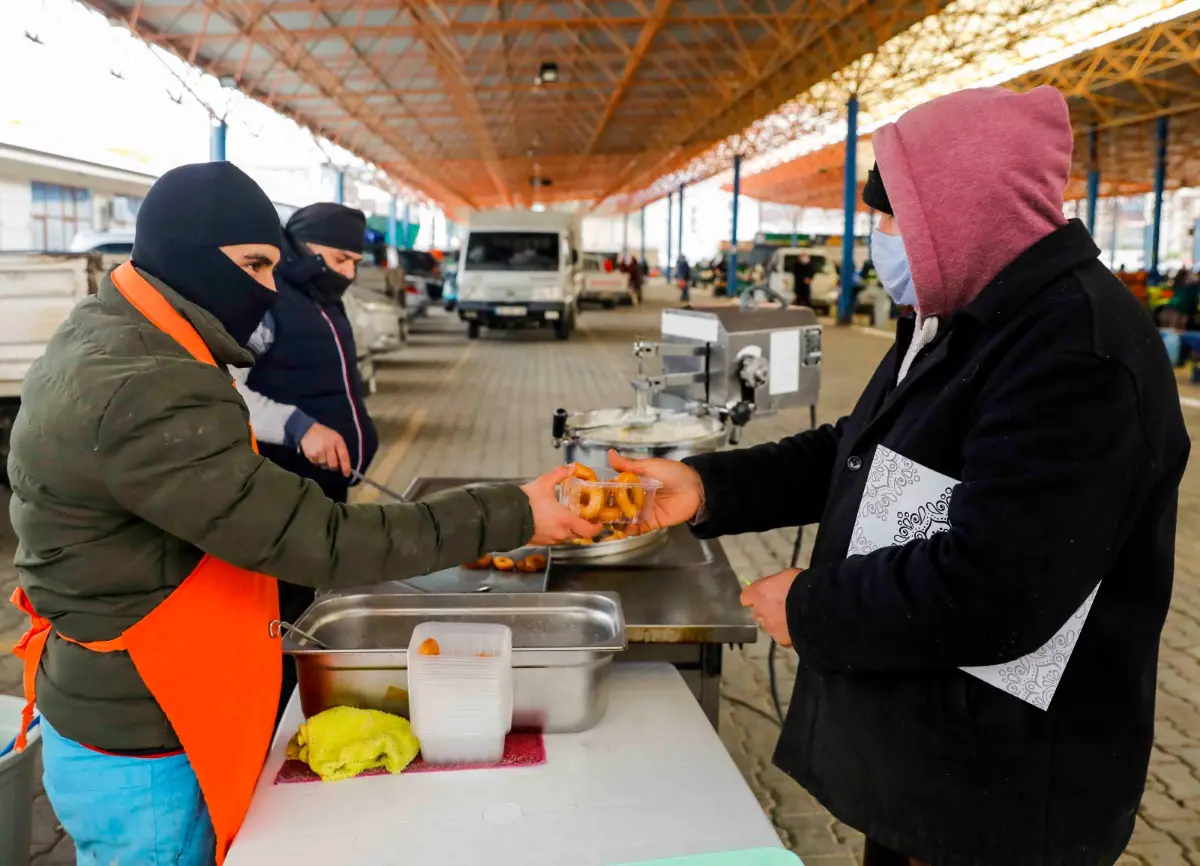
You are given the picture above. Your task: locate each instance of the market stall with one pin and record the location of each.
(650, 781)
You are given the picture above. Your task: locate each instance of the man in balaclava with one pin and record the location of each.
(143, 513)
(307, 401)
(181, 227)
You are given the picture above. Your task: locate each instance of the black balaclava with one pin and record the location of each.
(874, 194)
(330, 225)
(188, 215)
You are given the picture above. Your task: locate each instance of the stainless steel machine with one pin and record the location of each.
(712, 371)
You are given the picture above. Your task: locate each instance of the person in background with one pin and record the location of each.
(978, 627)
(803, 273)
(683, 275)
(1181, 311)
(151, 534)
(636, 277)
(307, 401)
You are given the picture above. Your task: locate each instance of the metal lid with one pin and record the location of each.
(617, 427)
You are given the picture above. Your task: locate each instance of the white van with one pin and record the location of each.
(826, 283)
(519, 268)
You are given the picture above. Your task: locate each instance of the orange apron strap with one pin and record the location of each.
(148, 301)
(29, 650)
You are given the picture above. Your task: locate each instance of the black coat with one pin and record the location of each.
(1052, 400)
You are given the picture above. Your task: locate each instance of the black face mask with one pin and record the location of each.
(328, 284)
(191, 212)
(309, 272)
(210, 279)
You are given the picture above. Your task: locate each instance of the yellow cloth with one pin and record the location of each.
(344, 741)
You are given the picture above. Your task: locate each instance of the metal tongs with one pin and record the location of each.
(277, 627)
(362, 479)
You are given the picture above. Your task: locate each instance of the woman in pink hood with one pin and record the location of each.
(1001, 502)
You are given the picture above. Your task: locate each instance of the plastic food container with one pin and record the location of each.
(461, 700)
(615, 503)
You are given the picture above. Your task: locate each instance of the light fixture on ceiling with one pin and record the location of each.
(547, 73)
(538, 207)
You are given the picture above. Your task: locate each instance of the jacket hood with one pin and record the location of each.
(975, 178)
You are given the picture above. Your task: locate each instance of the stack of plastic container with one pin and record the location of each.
(461, 698)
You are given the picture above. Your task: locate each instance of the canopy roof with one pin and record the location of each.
(1119, 89)
(453, 98)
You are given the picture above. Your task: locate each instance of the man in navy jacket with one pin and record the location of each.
(304, 393)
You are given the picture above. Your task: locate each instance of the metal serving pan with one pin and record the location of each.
(563, 647)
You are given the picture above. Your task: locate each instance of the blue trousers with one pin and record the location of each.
(123, 811)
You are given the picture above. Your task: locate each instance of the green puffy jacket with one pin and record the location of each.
(130, 458)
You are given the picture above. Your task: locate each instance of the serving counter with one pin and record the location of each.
(679, 595)
(651, 781)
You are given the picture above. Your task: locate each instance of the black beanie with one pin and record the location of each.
(189, 213)
(331, 225)
(874, 195)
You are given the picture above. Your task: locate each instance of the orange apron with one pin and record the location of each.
(220, 696)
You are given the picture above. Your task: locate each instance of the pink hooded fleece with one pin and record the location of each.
(974, 178)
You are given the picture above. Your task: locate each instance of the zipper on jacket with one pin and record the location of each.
(349, 391)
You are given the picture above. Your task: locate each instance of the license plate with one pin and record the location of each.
(510, 311)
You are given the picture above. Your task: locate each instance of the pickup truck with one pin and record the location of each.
(603, 283)
(37, 292)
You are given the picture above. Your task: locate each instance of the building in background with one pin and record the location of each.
(46, 199)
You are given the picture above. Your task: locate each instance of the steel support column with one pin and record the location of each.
(1116, 215)
(391, 224)
(681, 220)
(846, 297)
(670, 234)
(405, 224)
(1093, 179)
(625, 236)
(731, 275)
(1160, 183)
(642, 260)
(339, 189)
(216, 141)
(795, 226)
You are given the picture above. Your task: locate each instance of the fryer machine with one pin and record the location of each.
(717, 369)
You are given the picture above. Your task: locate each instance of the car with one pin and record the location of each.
(423, 272)
(378, 320)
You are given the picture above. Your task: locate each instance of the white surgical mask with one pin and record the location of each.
(891, 263)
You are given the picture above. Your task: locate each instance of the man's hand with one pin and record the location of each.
(326, 447)
(681, 495)
(553, 523)
(767, 598)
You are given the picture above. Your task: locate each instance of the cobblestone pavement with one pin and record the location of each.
(449, 407)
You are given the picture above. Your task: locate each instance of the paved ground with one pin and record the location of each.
(451, 407)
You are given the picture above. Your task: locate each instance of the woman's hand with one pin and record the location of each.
(767, 599)
(553, 523)
(681, 495)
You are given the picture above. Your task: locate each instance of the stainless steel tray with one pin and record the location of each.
(608, 549)
(563, 646)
